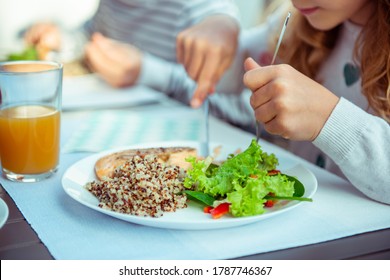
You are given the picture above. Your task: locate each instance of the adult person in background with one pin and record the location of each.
(130, 42)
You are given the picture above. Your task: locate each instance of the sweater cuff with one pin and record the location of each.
(155, 73)
(342, 131)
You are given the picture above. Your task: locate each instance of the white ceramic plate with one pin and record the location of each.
(3, 212)
(190, 218)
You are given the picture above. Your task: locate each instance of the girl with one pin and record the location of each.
(332, 95)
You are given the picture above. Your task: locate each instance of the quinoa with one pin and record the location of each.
(143, 187)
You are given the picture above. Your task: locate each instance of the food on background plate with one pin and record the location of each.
(75, 67)
(106, 165)
(29, 53)
(151, 181)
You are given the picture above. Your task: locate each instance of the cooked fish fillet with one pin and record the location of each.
(106, 165)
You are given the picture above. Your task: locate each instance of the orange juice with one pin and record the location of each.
(29, 139)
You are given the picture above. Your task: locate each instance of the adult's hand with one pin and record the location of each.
(45, 37)
(117, 63)
(206, 50)
(45, 34)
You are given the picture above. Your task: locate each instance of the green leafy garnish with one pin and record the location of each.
(29, 53)
(299, 189)
(200, 196)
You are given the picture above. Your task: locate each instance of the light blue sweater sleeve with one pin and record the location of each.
(171, 79)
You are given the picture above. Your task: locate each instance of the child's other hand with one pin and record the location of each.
(287, 102)
(117, 63)
(206, 50)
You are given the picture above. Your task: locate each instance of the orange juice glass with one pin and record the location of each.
(30, 112)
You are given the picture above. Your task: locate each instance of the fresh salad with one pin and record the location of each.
(243, 185)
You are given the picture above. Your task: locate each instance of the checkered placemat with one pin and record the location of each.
(102, 130)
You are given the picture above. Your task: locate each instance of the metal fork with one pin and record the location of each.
(272, 62)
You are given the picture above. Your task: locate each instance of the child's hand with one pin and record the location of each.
(117, 63)
(287, 102)
(206, 50)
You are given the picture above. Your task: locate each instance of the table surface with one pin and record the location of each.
(18, 240)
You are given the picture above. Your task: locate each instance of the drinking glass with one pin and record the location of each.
(30, 112)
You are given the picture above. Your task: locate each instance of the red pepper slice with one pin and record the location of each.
(220, 210)
(269, 203)
(273, 172)
(207, 209)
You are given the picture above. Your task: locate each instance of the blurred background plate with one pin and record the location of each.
(3, 212)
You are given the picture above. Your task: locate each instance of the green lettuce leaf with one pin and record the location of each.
(243, 179)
